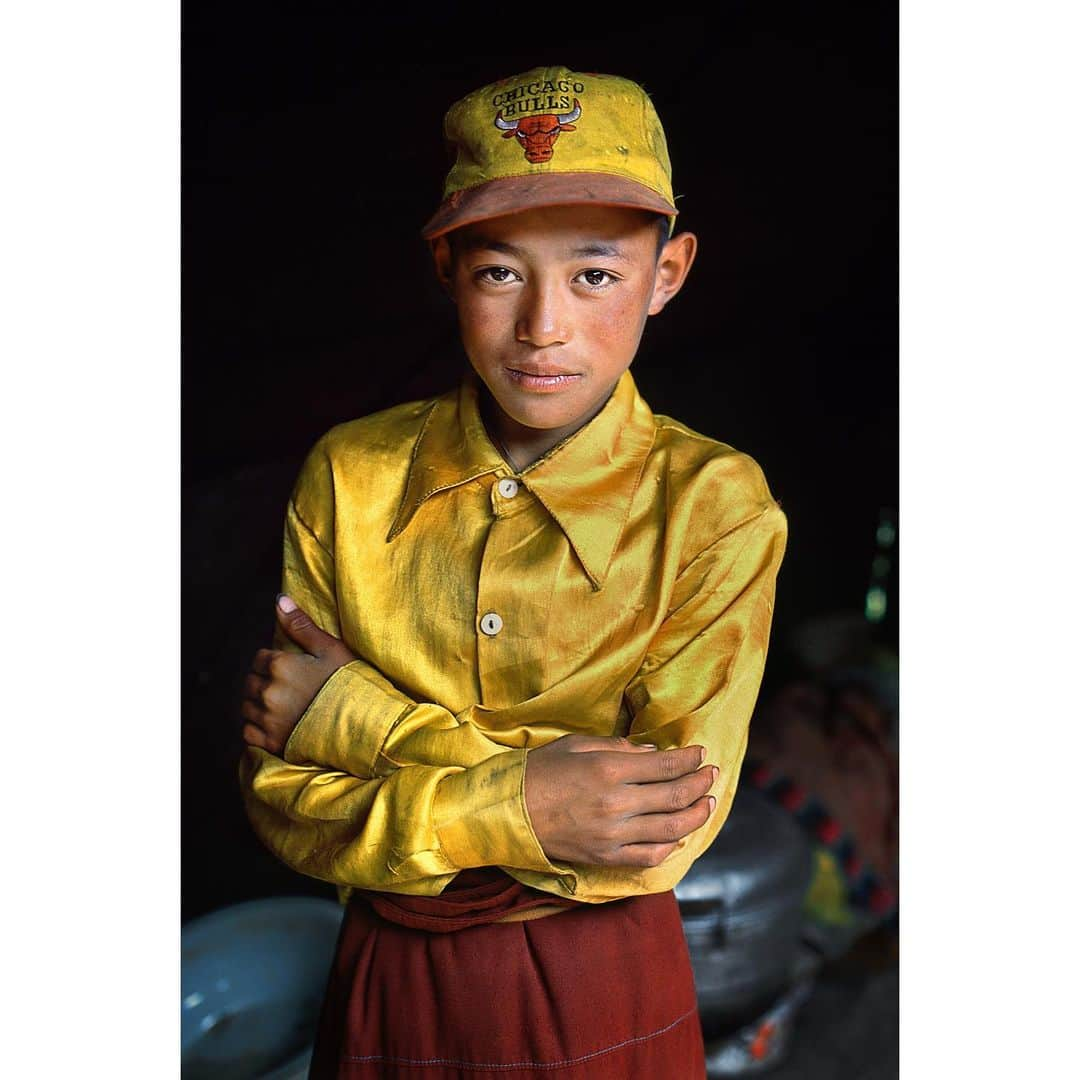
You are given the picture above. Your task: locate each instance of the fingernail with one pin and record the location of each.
(286, 603)
(712, 804)
(702, 761)
(715, 773)
(647, 746)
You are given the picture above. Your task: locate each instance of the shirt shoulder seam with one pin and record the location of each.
(747, 520)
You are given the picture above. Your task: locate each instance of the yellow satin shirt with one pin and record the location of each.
(621, 584)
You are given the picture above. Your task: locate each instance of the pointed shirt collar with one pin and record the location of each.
(586, 482)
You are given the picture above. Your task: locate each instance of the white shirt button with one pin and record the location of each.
(508, 488)
(491, 623)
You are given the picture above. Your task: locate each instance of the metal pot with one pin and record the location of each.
(741, 906)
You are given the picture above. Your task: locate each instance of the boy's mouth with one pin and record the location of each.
(542, 379)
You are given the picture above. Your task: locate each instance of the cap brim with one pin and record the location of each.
(513, 193)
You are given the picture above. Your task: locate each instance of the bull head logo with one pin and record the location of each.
(537, 134)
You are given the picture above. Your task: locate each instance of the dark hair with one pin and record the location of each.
(663, 225)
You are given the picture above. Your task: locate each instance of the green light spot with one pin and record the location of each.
(886, 534)
(876, 602)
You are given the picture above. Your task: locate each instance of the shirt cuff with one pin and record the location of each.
(481, 819)
(346, 723)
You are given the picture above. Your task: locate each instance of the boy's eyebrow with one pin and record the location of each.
(478, 242)
(597, 249)
(594, 249)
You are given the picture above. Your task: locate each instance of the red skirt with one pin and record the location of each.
(432, 988)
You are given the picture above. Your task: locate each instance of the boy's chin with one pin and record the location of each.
(544, 412)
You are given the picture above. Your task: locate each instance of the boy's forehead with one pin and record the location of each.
(567, 232)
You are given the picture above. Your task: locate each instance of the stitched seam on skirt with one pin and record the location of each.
(521, 1064)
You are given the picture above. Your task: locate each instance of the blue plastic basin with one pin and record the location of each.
(252, 980)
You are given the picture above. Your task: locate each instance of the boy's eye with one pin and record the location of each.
(596, 278)
(497, 274)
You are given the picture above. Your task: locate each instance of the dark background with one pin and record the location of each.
(312, 155)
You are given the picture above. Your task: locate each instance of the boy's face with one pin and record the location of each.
(552, 303)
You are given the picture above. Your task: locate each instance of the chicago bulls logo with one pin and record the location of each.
(537, 134)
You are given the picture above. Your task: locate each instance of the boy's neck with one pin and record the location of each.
(519, 445)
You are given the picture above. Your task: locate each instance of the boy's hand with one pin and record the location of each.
(281, 685)
(603, 801)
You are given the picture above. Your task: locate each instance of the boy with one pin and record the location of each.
(522, 629)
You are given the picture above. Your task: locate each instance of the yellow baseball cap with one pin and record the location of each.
(553, 137)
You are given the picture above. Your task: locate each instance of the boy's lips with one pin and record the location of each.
(542, 379)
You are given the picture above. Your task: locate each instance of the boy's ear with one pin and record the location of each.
(444, 263)
(676, 258)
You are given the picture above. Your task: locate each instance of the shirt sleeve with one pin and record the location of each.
(337, 807)
(699, 682)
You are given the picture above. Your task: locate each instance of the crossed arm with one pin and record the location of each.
(590, 799)
(379, 791)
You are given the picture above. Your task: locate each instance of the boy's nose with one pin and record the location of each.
(543, 319)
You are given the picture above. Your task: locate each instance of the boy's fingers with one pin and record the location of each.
(297, 626)
(261, 664)
(671, 795)
(254, 685)
(661, 765)
(252, 714)
(642, 854)
(254, 736)
(264, 740)
(668, 828)
(583, 744)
